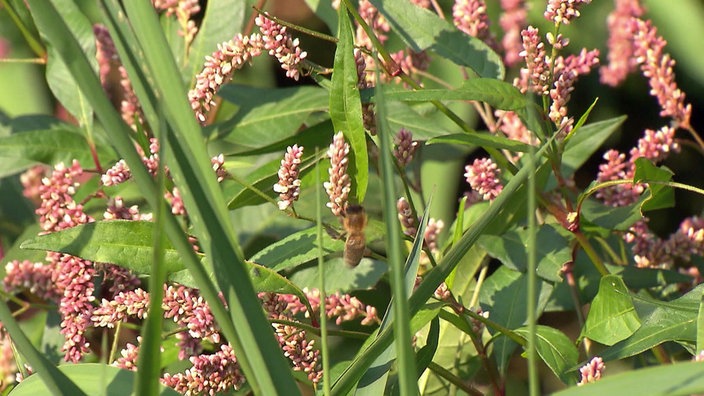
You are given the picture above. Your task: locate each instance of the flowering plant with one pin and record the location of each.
(180, 240)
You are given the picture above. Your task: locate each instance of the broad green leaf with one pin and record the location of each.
(266, 115)
(423, 123)
(298, 248)
(318, 135)
(658, 196)
(60, 80)
(586, 141)
(50, 146)
(339, 277)
(498, 94)
(346, 107)
(665, 380)
(553, 250)
(129, 245)
(222, 20)
(612, 316)
(660, 321)
(556, 350)
(482, 140)
(608, 218)
(422, 29)
(91, 378)
(504, 296)
(122, 242)
(700, 326)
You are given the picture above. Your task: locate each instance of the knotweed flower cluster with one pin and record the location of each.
(563, 11)
(483, 176)
(657, 66)
(404, 147)
(363, 82)
(338, 306)
(108, 63)
(184, 10)
(592, 371)
(620, 43)
(512, 21)
(470, 17)
(289, 185)
(338, 187)
(218, 69)
(281, 45)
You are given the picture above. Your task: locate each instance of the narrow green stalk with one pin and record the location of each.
(32, 42)
(453, 379)
(402, 330)
(149, 359)
(533, 384)
(321, 279)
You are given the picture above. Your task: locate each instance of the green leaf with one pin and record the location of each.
(498, 94)
(266, 115)
(58, 76)
(91, 378)
(422, 29)
(340, 276)
(346, 107)
(609, 218)
(296, 249)
(122, 242)
(553, 250)
(612, 316)
(222, 20)
(557, 351)
(482, 140)
(700, 326)
(586, 141)
(665, 380)
(129, 245)
(423, 123)
(658, 196)
(660, 321)
(504, 296)
(50, 146)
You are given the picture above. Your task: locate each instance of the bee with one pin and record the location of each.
(354, 221)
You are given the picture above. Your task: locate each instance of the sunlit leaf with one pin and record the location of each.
(422, 29)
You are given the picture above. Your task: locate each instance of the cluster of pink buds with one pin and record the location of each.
(218, 69)
(281, 45)
(483, 177)
(338, 188)
(592, 371)
(289, 185)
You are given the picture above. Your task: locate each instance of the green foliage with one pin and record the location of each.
(443, 311)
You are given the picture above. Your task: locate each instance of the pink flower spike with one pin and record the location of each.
(482, 176)
(563, 11)
(591, 372)
(289, 185)
(281, 45)
(338, 188)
